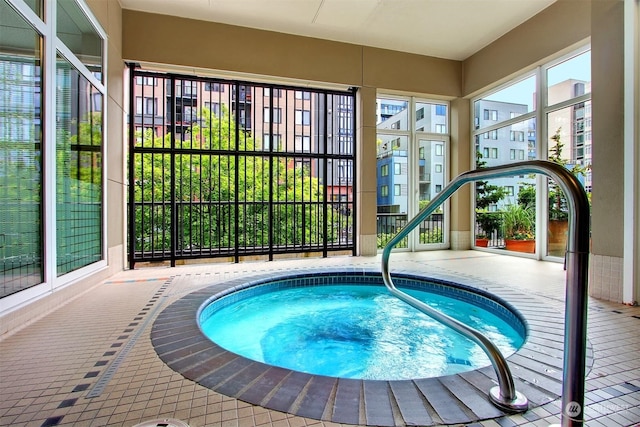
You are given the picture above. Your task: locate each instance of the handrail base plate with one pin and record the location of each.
(518, 405)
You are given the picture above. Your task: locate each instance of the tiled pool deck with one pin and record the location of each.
(92, 361)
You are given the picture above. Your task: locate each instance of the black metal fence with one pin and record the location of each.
(388, 225)
(221, 168)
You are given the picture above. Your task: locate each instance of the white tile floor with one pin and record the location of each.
(91, 363)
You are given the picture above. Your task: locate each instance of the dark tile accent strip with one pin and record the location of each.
(234, 385)
(80, 387)
(264, 385)
(288, 391)
(315, 400)
(471, 398)
(52, 421)
(441, 401)
(108, 373)
(101, 363)
(410, 402)
(346, 408)
(67, 403)
(377, 406)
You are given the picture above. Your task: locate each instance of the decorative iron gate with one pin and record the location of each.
(221, 168)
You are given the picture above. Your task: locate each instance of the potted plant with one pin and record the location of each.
(486, 195)
(558, 209)
(519, 228)
(488, 222)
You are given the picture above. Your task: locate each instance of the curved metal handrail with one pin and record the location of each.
(505, 396)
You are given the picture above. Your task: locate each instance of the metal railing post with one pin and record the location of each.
(575, 336)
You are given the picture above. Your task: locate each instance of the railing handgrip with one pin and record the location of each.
(505, 396)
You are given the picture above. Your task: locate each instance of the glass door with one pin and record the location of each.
(430, 179)
(411, 169)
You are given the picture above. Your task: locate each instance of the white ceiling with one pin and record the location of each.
(452, 29)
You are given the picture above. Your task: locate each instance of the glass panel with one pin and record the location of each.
(20, 154)
(512, 197)
(431, 117)
(569, 79)
(76, 31)
(392, 186)
(431, 180)
(570, 144)
(510, 102)
(78, 170)
(36, 5)
(393, 114)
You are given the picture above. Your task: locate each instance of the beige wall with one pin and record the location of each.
(109, 14)
(555, 29)
(607, 73)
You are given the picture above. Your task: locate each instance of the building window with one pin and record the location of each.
(213, 107)
(146, 81)
(267, 142)
(397, 190)
(509, 190)
(439, 149)
(441, 128)
(441, 110)
(420, 114)
(397, 169)
(213, 87)
(303, 117)
(438, 188)
(384, 191)
(384, 170)
(303, 94)
(438, 168)
(277, 115)
(491, 115)
(302, 143)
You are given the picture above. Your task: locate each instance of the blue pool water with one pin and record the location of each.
(355, 331)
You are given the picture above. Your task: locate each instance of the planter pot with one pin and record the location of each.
(481, 242)
(558, 232)
(527, 246)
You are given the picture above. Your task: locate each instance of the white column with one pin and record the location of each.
(631, 262)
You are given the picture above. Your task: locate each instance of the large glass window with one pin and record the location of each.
(51, 125)
(21, 264)
(546, 114)
(78, 170)
(78, 34)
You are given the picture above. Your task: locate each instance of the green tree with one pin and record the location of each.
(210, 174)
(558, 208)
